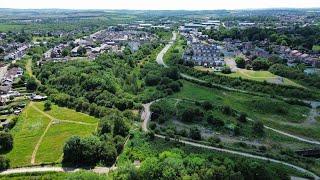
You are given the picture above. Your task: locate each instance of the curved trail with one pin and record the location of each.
(146, 114)
(185, 76)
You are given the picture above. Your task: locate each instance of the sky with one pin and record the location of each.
(158, 4)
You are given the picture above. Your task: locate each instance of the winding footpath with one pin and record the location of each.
(146, 114)
(161, 62)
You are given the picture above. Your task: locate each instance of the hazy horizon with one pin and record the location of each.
(159, 4)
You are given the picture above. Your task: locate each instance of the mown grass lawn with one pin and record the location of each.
(63, 113)
(262, 76)
(257, 108)
(51, 148)
(26, 133)
(31, 126)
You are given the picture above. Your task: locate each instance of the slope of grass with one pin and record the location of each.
(261, 76)
(271, 112)
(26, 133)
(31, 126)
(63, 113)
(51, 149)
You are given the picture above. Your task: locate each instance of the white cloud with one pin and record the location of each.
(157, 4)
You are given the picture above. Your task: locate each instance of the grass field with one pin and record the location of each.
(275, 113)
(255, 76)
(262, 76)
(30, 131)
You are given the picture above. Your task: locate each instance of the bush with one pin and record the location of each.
(4, 163)
(214, 140)
(195, 133)
(240, 62)
(47, 106)
(104, 126)
(6, 141)
(258, 128)
(217, 122)
(243, 117)
(152, 125)
(226, 70)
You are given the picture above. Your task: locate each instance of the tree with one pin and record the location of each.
(217, 122)
(120, 127)
(258, 128)
(260, 64)
(4, 163)
(104, 126)
(195, 133)
(65, 52)
(6, 141)
(32, 85)
(47, 106)
(226, 70)
(108, 154)
(190, 114)
(152, 80)
(82, 51)
(150, 169)
(1, 50)
(241, 63)
(243, 117)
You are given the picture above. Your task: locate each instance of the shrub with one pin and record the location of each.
(47, 106)
(6, 141)
(195, 133)
(4, 163)
(258, 128)
(242, 118)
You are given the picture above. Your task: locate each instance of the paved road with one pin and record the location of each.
(165, 50)
(100, 170)
(188, 77)
(146, 114)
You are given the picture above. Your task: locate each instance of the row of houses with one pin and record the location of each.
(207, 55)
(15, 51)
(296, 56)
(6, 84)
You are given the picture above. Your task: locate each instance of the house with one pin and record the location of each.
(35, 97)
(74, 51)
(4, 89)
(204, 55)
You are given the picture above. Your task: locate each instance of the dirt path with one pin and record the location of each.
(34, 153)
(29, 70)
(100, 170)
(145, 115)
(52, 121)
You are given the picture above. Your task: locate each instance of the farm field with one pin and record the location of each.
(39, 135)
(274, 113)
